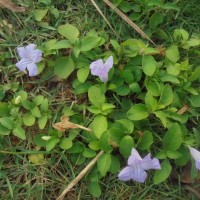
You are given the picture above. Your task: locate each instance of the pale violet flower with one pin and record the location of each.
(29, 56)
(196, 155)
(137, 166)
(100, 69)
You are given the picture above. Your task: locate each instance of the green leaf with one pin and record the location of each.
(107, 106)
(172, 54)
(104, 142)
(173, 154)
(4, 130)
(87, 43)
(44, 105)
(64, 66)
(166, 97)
(172, 138)
(115, 165)
(104, 163)
(82, 74)
(28, 105)
(150, 102)
(99, 125)
(126, 145)
(88, 153)
(145, 141)
(19, 132)
(195, 101)
(7, 122)
(170, 78)
(149, 65)
(135, 87)
(127, 125)
(77, 147)
(62, 44)
(171, 6)
(163, 118)
(76, 48)
(38, 100)
(138, 112)
(42, 121)
(28, 119)
(181, 34)
(82, 88)
(115, 44)
(21, 94)
(51, 143)
(65, 143)
(39, 141)
(155, 19)
(36, 112)
(69, 31)
(94, 145)
(94, 109)
(123, 90)
(67, 111)
(174, 69)
(40, 14)
(195, 75)
(96, 96)
(94, 189)
(163, 174)
(4, 109)
(116, 134)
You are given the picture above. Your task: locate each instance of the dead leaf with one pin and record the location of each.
(65, 124)
(183, 110)
(11, 6)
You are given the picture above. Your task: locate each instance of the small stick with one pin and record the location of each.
(127, 20)
(98, 9)
(80, 176)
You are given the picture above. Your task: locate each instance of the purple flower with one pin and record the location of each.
(196, 155)
(137, 166)
(100, 69)
(29, 56)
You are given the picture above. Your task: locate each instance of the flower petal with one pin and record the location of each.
(96, 67)
(134, 157)
(22, 52)
(197, 164)
(32, 68)
(22, 64)
(36, 56)
(126, 173)
(30, 48)
(108, 64)
(196, 155)
(139, 174)
(148, 163)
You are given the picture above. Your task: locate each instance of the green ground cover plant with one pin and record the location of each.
(72, 90)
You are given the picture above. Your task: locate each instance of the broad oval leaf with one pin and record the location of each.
(172, 138)
(69, 31)
(162, 174)
(99, 125)
(104, 164)
(149, 65)
(126, 146)
(138, 112)
(64, 66)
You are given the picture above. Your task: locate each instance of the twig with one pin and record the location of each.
(11, 6)
(127, 20)
(79, 177)
(98, 9)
